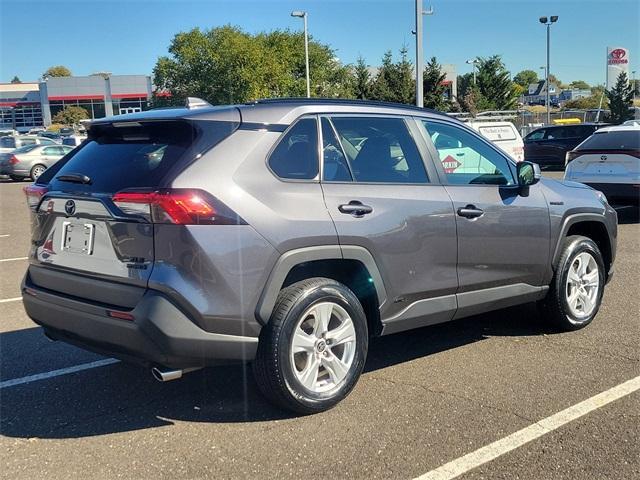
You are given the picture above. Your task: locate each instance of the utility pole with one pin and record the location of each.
(419, 53)
(303, 15)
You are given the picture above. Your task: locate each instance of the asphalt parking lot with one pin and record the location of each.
(427, 397)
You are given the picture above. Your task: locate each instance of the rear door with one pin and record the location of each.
(382, 196)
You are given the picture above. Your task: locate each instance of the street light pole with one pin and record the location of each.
(473, 67)
(419, 53)
(303, 15)
(548, 21)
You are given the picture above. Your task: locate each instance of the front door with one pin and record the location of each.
(381, 197)
(503, 231)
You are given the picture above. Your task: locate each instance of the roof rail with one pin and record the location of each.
(342, 101)
(195, 102)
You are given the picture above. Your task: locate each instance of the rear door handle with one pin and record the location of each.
(355, 208)
(470, 211)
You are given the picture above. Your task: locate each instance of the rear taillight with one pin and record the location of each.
(13, 160)
(178, 206)
(571, 155)
(34, 194)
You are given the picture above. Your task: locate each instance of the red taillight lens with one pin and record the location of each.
(13, 160)
(179, 206)
(34, 194)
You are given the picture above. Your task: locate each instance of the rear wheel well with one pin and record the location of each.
(597, 232)
(351, 273)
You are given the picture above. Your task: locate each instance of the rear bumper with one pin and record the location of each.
(160, 334)
(619, 191)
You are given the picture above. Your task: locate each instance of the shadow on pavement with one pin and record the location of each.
(121, 398)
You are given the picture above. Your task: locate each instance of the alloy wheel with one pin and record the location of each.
(323, 346)
(583, 283)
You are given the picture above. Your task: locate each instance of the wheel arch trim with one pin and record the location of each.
(290, 259)
(568, 222)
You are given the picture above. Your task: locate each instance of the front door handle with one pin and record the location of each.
(470, 211)
(355, 208)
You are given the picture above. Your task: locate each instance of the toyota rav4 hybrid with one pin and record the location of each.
(287, 233)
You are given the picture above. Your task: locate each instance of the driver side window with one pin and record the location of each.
(467, 159)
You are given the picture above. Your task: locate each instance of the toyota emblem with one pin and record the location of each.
(618, 53)
(70, 207)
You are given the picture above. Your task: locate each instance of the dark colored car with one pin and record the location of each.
(288, 232)
(548, 146)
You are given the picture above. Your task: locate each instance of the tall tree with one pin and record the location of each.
(394, 81)
(381, 85)
(525, 77)
(228, 65)
(620, 100)
(57, 71)
(494, 85)
(433, 86)
(362, 79)
(15, 79)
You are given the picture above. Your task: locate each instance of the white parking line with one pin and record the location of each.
(4, 235)
(57, 373)
(7, 300)
(13, 259)
(492, 451)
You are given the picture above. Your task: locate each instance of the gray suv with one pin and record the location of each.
(288, 232)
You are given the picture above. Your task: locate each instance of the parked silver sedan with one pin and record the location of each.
(31, 161)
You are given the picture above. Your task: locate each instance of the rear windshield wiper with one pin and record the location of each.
(74, 178)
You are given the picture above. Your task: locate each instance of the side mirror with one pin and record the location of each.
(528, 173)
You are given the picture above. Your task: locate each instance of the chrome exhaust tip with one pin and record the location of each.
(167, 374)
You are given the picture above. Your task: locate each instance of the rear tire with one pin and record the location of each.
(576, 290)
(312, 351)
(36, 171)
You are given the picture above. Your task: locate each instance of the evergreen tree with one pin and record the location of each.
(381, 85)
(15, 79)
(433, 87)
(362, 79)
(394, 81)
(620, 100)
(494, 85)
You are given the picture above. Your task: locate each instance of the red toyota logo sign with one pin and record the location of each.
(618, 53)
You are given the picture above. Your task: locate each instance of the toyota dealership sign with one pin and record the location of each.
(617, 62)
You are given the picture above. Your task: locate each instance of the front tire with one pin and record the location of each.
(575, 293)
(312, 351)
(16, 178)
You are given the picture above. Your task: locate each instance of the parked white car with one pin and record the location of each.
(503, 134)
(10, 143)
(74, 140)
(609, 161)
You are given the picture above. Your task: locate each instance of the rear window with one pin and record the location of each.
(25, 149)
(7, 142)
(120, 157)
(612, 140)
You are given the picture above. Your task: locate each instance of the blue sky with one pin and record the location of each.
(126, 37)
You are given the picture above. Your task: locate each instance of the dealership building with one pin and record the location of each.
(27, 105)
